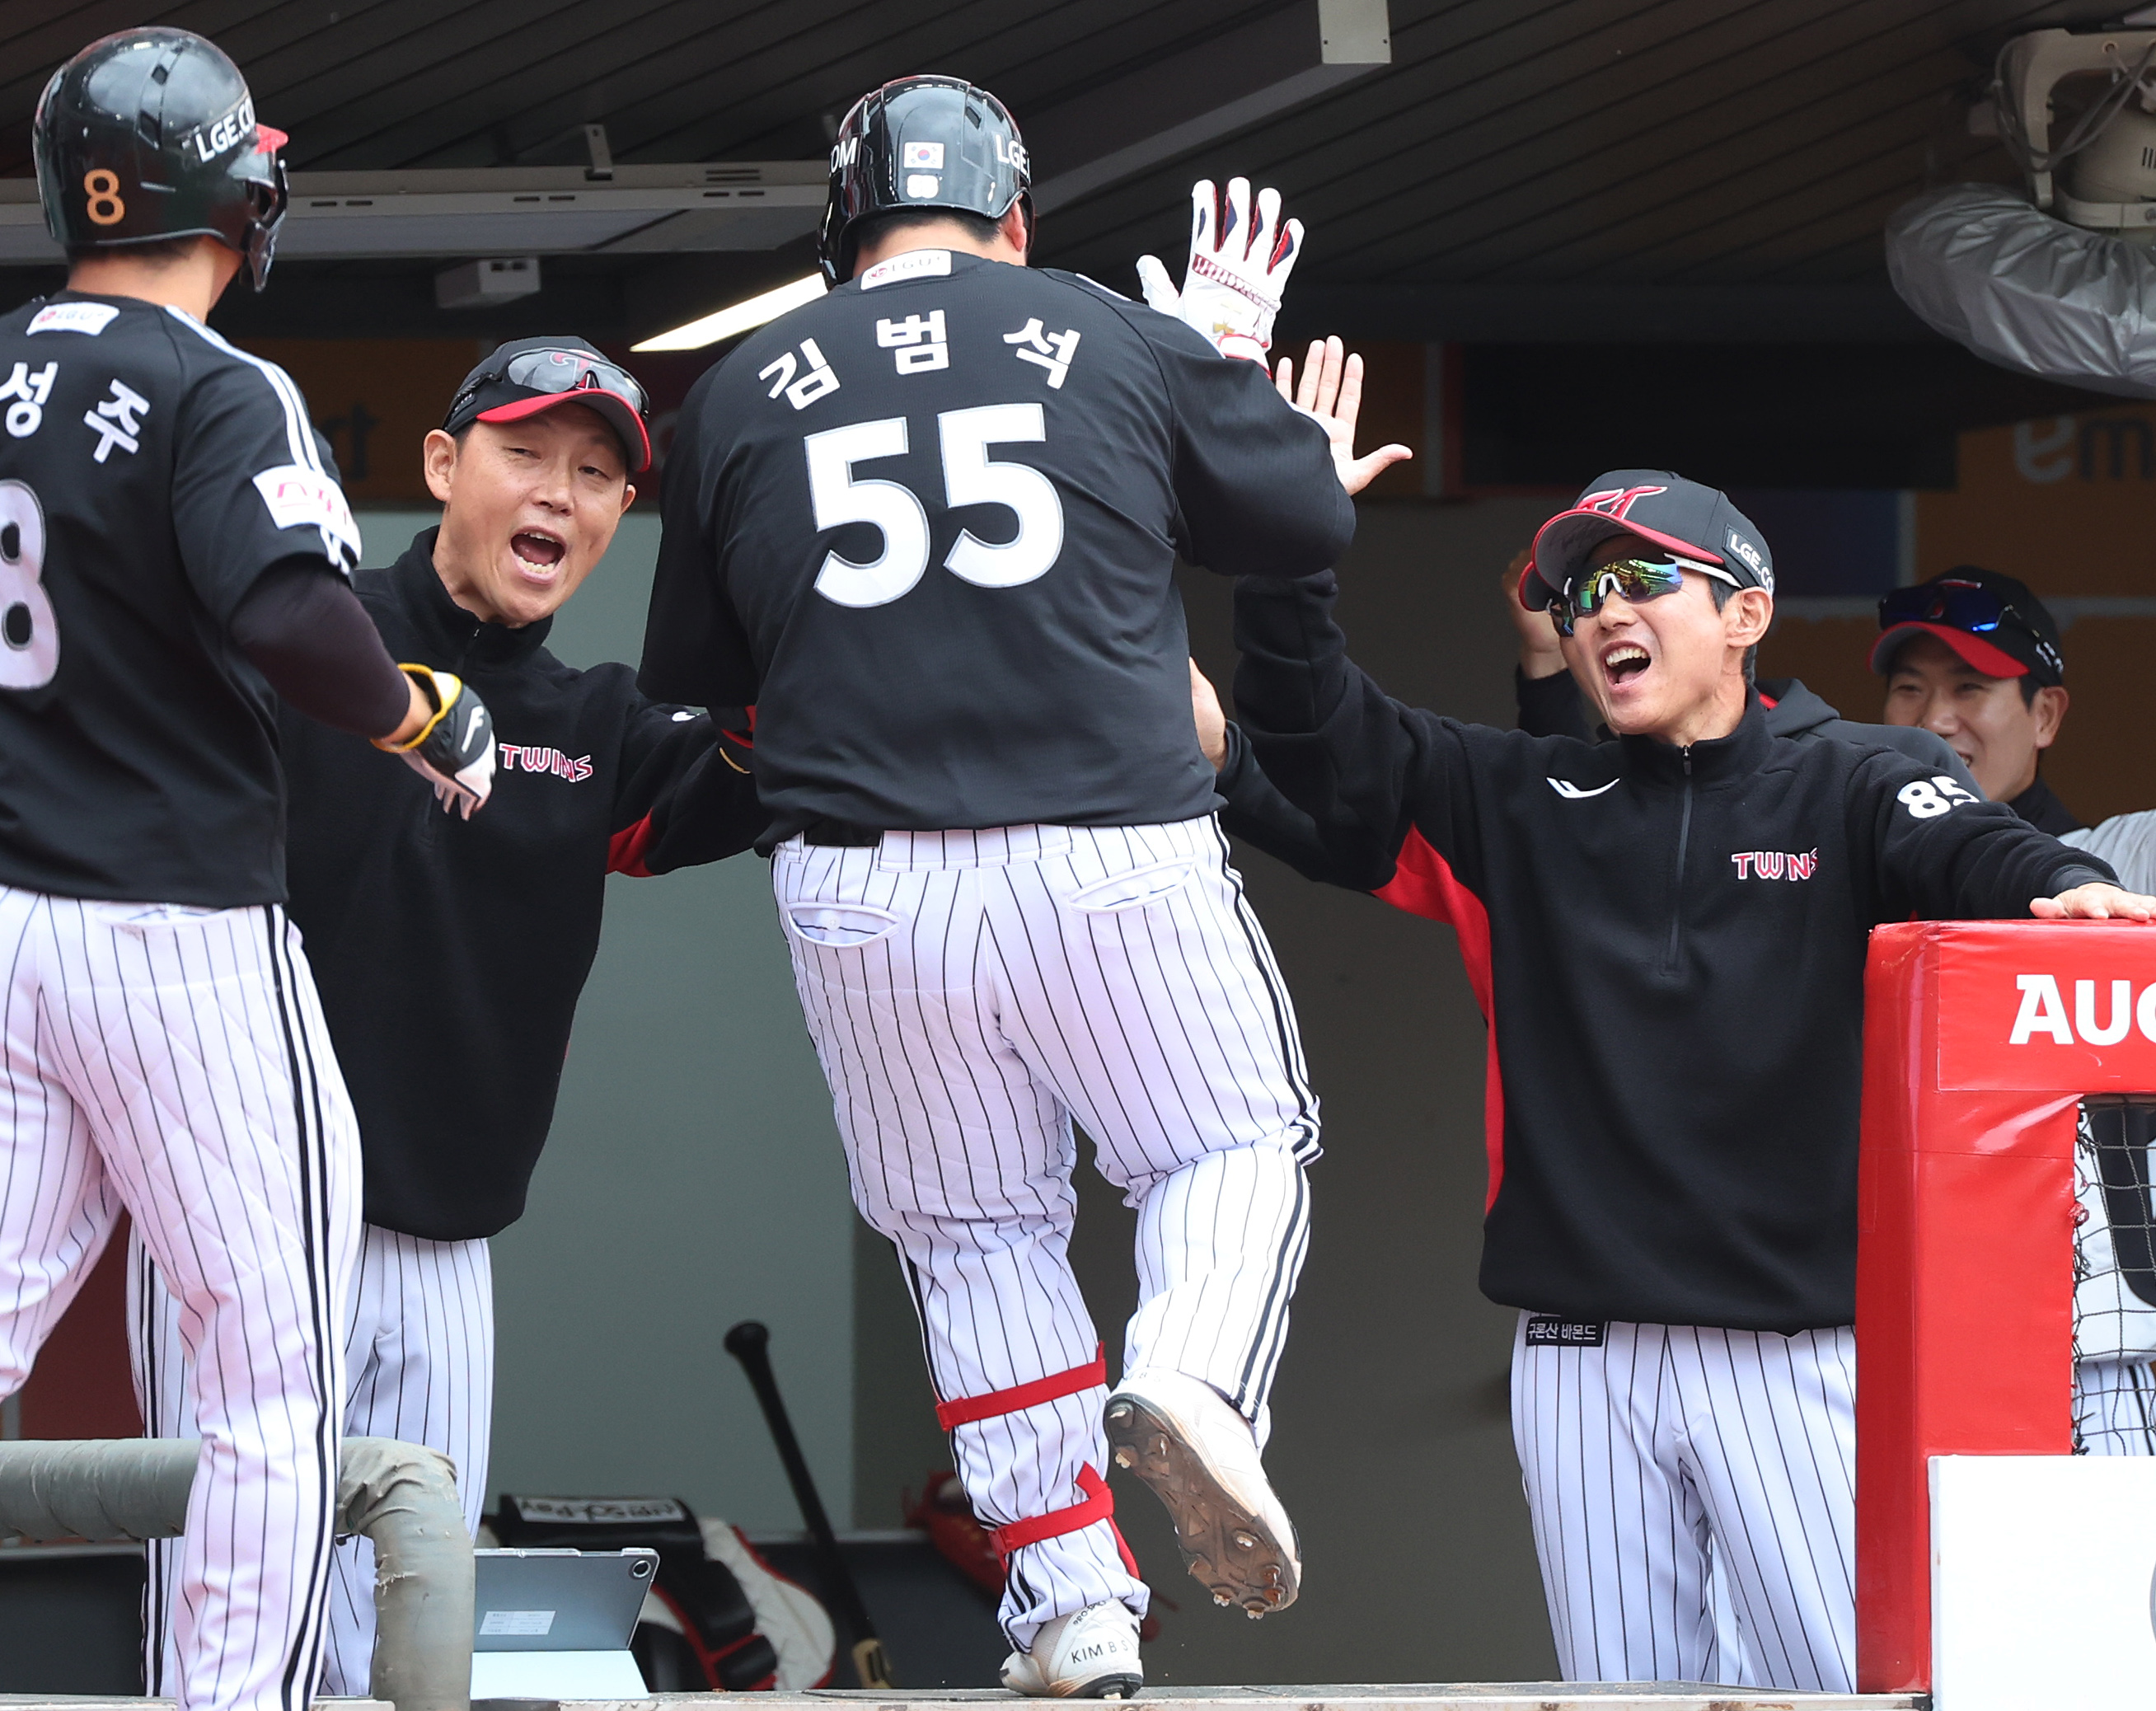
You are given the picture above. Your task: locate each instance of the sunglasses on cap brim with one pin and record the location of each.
(1959, 606)
(1634, 580)
(561, 371)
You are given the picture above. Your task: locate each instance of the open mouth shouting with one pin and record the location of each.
(539, 553)
(1622, 662)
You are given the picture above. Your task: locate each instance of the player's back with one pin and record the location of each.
(928, 526)
(149, 473)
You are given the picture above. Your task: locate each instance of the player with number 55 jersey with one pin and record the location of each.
(926, 527)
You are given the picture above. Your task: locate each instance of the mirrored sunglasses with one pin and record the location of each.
(1632, 580)
(573, 371)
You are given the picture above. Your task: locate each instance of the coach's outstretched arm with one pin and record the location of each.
(1368, 771)
(1945, 855)
(687, 794)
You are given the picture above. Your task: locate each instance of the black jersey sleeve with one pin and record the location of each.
(694, 647)
(1365, 769)
(304, 629)
(687, 792)
(1945, 855)
(1254, 810)
(250, 486)
(1253, 476)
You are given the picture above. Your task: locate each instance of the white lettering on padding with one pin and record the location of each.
(2043, 1010)
(298, 497)
(2122, 1012)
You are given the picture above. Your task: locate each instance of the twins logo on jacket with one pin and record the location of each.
(532, 757)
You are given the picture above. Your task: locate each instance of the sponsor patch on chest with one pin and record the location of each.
(1548, 1331)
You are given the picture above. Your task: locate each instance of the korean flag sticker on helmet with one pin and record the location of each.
(922, 156)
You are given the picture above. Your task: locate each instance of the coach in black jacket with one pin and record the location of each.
(471, 940)
(1667, 933)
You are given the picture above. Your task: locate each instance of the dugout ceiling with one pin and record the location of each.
(1515, 173)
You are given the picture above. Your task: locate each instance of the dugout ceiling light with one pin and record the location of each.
(2061, 282)
(739, 318)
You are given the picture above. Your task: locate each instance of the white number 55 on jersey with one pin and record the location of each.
(970, 477)
(28, 630)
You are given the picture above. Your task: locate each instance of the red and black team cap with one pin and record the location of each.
(526, 376)
(1680, 516)
(1990, 620)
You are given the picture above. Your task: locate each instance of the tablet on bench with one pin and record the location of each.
(556, 1624)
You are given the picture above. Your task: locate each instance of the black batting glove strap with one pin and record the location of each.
(454, 751)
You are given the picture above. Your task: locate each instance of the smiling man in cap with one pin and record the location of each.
(1974, 656)
(475, 938)
(1667, 936)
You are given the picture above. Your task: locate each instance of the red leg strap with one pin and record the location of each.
(1100, 1505)
(967, 1409)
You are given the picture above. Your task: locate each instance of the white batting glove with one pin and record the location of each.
(454, 751)
(1240, 261)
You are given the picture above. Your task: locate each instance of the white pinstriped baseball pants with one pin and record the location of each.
(2115, 1406)
(419, 1353)
(174, 1060)
(1670, 1452)
(971, 993)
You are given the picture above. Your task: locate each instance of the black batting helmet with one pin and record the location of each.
(920, 142)
(151, 134)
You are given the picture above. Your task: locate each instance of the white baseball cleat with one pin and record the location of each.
(1092, 1654)
(1182, 1438)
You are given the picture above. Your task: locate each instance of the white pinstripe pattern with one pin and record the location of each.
(2115, 1406)
(175, 1061)
(1673, 1445)
(419, 1356)
(969, 995)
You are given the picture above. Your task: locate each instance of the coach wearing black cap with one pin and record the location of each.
(1667, 935)
(449, 954)
(1974, 656)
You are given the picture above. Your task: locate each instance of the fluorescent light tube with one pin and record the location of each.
(724, 323)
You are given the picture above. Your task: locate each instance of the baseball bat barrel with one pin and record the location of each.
(749, 1342)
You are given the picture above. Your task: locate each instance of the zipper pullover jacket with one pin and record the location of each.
(1553, 707)
(1668, 946)
(449, 952)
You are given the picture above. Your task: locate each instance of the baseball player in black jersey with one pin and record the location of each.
(1667, 935)
(926, 527)
(533, 465)
(172, 550)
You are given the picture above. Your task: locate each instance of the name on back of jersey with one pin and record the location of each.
(116, 418)
(25, 393)
(919, 343)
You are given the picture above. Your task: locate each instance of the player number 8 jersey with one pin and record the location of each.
(149, 474)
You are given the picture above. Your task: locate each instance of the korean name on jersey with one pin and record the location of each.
(928, 526)
(149, 474)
